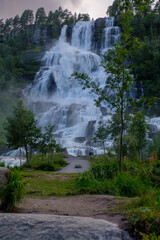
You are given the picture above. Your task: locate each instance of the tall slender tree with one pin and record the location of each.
(40, 17)
(27, 18)
(118, 68)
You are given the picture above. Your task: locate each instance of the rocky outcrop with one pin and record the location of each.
(37, 227)
(69, 32)
(100, 24)
(4, 176)
(33, 34)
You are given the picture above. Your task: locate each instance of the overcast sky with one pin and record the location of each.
(95, 8)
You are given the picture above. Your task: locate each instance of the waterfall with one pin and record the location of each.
(58, 99)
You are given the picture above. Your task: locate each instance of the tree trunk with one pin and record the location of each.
(30, 157)
(27, 157)
(121, 135)
(104, 148)
(20, 152)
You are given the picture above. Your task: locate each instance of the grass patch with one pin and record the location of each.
(47, 163)
(138, 181)
(46, 184)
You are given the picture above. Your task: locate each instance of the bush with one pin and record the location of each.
(128, 186)
(2, 164)
(55, 162)
(151, 236)
(145, 222)
(104, 171)
(14, 192)
(46, 166)
(86, 183)
(156, 169)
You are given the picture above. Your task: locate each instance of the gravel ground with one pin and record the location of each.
(75, 165)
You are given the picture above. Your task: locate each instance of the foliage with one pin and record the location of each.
(56, 162)
(56, 19)
(145, 222)
(105, 170)
(129, 185)
(47, 144)
(101, 136)
(129, 147)
(21, 129)
(118, 70)
(114, 10)
(138, 129)
(2, 164)
(103, 177)
(154, 146)
(14, 192)
(46, 166)
(27, 18)
(40, 17)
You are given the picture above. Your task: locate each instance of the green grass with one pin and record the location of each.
(46, 184)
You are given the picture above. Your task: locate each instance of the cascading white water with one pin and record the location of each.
(58, 99)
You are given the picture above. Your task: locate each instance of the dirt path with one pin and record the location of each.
(75, 165)
(95, 206)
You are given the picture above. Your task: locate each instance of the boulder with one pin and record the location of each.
(4, 176)
(42, 226)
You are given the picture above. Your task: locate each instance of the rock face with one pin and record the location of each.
(34, 34)
(4, 176)
(37, 227)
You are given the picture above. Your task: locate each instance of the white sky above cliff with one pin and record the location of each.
(95, 8)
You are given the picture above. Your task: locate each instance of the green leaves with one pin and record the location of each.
(21, 128)
(14, 192)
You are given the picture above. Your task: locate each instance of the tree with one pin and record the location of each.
(40, 17)
(101, 136)
(47, 143)
(118, 68)
(21, 129)
(129, 147)
(27, 18)
(16, 22)
(8, 26)
(1, 29)
(115, 9)
(138, 129)
(50, 140)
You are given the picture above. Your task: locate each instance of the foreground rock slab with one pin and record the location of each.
(41, 226)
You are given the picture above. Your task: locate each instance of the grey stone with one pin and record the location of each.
(90, 129)
(80, 139)
(38, 226)
(4, 176)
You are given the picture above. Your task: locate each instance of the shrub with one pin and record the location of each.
(151, 236)
(128, 186)
(104, 171)
(55, 162)
(2, 164)
(46, 166)
(14, 191)
(156, 169)
(145, 222)
(86, 183)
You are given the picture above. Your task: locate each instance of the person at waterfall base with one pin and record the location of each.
(90, 152)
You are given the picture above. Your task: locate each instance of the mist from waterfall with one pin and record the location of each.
(58, 99)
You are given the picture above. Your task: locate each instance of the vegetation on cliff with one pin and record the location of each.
(146, 59)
